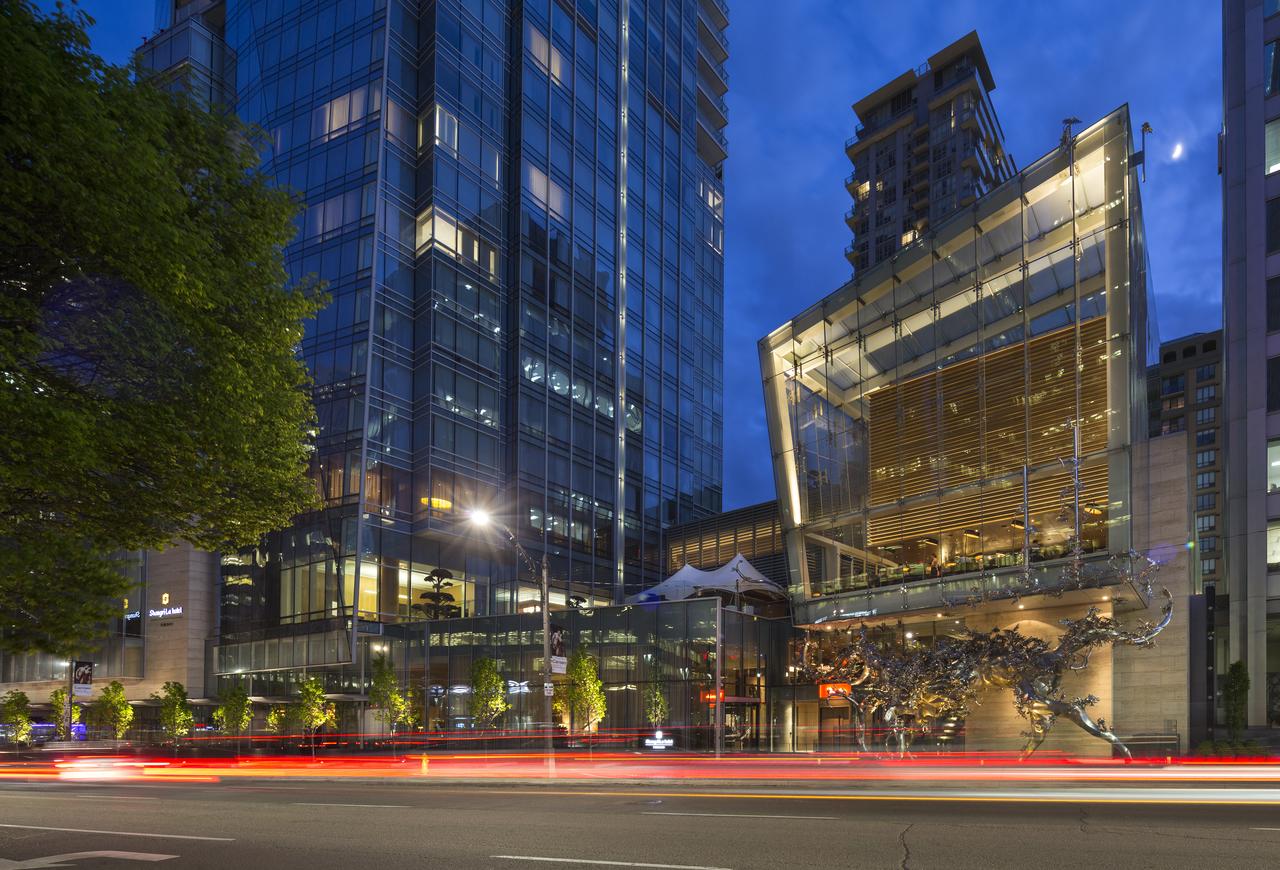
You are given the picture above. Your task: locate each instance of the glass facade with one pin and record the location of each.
(517, 209)
(929, 418)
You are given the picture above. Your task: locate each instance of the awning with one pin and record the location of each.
(737, 577)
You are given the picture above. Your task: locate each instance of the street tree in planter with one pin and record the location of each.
(234, 713)
(488, 701)
(655, 703)
(390, 706)
(584, 692)
(176, 716)
(15, 715)
(314, 712)
(111, 711)
(281, 720)
(58, 702)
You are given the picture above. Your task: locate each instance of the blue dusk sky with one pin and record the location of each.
(796, 66)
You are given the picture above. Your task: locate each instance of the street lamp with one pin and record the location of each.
(484, 519)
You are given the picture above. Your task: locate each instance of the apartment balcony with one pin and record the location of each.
(717, 11)
(712, 105)
(870, 128)
(851, 217)
(712, 72)
(713, 147)
(710, 35)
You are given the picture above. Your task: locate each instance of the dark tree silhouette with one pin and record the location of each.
(435, 602)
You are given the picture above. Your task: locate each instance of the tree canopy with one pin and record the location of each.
(176, 715)
(388, 701)
(111, 711)
(584, 695)
(15, 715)
(488, 700)
(150, 389)
(234, 713)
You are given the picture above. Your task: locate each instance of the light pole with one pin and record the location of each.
(484, 519)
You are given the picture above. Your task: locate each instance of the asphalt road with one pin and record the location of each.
(282, 826)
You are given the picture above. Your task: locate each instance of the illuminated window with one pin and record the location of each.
(1273, 465)
(1272, 139)
(446, 128)
(546, 54)
(332, 119)
(1273, 546)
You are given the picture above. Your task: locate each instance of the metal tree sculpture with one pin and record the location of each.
(913, 686)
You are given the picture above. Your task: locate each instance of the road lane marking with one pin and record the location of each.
(60, 860)
(375, 806)
(1172, 797)
(601, 863)
(740, 816)
(121, 833)
(1264, 829)
(117, 797)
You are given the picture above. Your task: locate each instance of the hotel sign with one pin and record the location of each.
(165, 610)
(659, 741)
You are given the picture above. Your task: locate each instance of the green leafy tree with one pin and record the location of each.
(15, 715)
(234, 713)
(488, 693)
(281, 720)
(1235, 697)
(111, 711)
(176, 716)
(58, 702)
(414, 708)
(314, 712)
(148, 329)
(584, 692)
(390, 706)
(655, 703)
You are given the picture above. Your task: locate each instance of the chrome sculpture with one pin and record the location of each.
(912, 687)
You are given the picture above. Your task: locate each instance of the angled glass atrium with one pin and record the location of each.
(969, 408)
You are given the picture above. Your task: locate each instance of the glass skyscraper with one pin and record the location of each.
(517, 208)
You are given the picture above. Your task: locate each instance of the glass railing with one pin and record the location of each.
(714, 31)
(865, 595)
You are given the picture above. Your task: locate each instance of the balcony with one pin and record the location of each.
(864, 597)
(717, 11)
(713, 147)
(711, 36)
(851, 217)
(712, 105)
(713, 73)
(869, 127)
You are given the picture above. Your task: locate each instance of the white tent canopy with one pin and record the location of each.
(735, 577)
